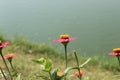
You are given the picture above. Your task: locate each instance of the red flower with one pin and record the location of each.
(10, 56)
(64, 39)
(4, 44)
(116, 52)
(77, 74)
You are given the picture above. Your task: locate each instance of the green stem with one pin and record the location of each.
(66, 55)
(77, 65)
(6, 65)
(50, 75)
(118, 57)
(65, 46)
(3, 73)
(11, 66)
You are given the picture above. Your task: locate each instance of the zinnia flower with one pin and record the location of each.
(77, 74)
(9, 56)
(4, 44)
(64, 39)
(116, 52)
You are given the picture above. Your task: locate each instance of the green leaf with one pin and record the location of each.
(45, 64)
(80, 66)
(39, 61)
(48, 65)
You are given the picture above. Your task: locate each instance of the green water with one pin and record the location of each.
(95, 23)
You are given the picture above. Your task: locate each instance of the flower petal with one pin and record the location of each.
(4, 44)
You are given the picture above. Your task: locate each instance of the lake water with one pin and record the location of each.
(95, 23)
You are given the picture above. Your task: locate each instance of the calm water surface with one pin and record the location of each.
(96, 23)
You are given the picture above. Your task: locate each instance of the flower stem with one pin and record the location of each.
(6, 65)
(3, 73)
(50, 75)
(65, 46)
(66, 55)
(118, 57)
(11, 66)
(77, 65)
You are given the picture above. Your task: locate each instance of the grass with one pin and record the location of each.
(99, 68)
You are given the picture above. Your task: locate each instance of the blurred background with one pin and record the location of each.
(95, 23)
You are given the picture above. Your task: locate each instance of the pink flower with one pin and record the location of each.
(77, 74)
(4, 44)
(64, 39)
(10, 56)
(116, 52)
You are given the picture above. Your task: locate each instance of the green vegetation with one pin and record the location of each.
(99, 68)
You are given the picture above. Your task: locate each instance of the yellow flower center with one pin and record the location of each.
(64, 36)
(11, 54)
(116, 49)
